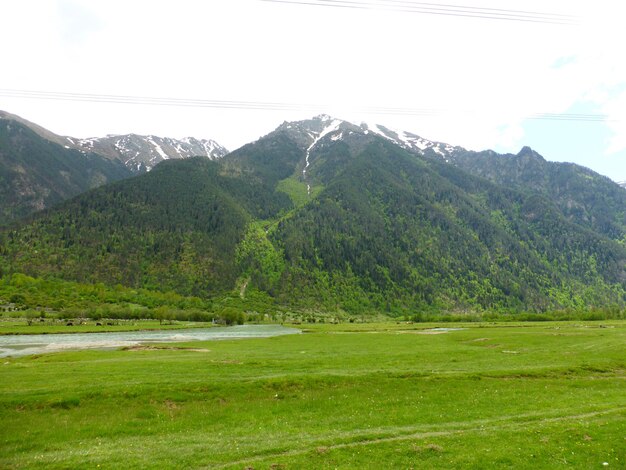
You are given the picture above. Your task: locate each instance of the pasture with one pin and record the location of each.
(532, 395)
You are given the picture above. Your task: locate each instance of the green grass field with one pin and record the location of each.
(536, 395)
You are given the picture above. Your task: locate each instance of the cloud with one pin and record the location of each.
(77, 22)
(615, 109)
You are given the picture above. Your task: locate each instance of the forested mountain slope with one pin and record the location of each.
(391, 231)
(36, 173)
(174, 228)
(325, 214)
(582, 195)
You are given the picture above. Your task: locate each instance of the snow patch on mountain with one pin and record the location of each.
(86, 143)
(330, 125)
(411, 142)
(158, 148)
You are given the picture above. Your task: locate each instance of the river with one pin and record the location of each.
(22, 345)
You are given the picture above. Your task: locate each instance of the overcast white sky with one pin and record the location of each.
(480, 79)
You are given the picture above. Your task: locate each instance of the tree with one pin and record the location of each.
(231, 316)
(30, 316)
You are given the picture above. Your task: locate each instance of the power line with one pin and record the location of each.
(144, 100)
(198, 103)
(441, 9)
(270, 106)
(484, 9)
(572, 117)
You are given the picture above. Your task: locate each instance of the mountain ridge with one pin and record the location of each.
(139, 153)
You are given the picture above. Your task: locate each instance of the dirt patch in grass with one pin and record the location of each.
(144, 347)
(428, 448)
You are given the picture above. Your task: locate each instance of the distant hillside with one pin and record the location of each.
(582, 196)
(37, 173)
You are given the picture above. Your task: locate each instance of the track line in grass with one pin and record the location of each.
(471, 427)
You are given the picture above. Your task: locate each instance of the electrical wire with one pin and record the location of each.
(269, 106)
(405, 6)
(198, 103)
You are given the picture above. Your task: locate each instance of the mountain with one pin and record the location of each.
(37, 173)
(413, 142)
(325, 214)
(137, 152)
(39, 169)
(141, 153)
(174, 228)
(622, 184)
(389, 228)
(581, 195)
(37, 129)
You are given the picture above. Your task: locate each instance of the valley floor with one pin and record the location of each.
(534, 395)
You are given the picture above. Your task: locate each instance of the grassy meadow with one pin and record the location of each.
(532, 395)
(20, 327)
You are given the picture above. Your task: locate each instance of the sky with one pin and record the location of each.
(233, 70)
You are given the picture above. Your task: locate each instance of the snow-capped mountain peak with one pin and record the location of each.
(142, 153)
(311, 131)
(330, 125)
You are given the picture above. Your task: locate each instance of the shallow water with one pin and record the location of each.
(22, 345)
(446, 329)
